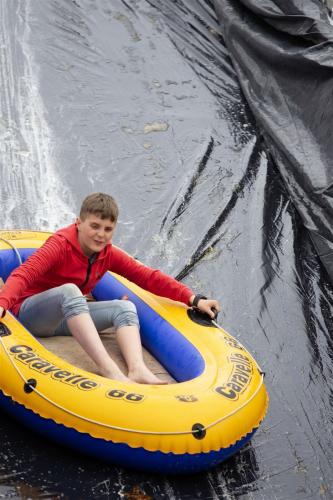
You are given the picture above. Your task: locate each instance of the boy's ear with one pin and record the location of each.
(77, 221)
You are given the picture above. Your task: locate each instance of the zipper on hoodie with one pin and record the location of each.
(91, 261)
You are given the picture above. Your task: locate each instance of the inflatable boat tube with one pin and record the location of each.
(214, 409)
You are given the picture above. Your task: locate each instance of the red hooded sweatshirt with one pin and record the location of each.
(61, 260)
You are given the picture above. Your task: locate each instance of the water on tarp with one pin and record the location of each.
(140, 99)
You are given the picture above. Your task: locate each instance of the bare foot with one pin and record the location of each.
(114, 374)
(142, 375)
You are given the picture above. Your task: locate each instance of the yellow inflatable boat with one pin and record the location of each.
(214, 409)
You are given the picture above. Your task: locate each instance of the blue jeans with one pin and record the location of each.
(46, 314)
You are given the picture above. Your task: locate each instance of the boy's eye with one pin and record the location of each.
(106, 229)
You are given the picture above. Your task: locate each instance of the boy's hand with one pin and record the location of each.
(1, 311)
(208, 306)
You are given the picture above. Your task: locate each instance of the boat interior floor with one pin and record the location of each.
(68, 349)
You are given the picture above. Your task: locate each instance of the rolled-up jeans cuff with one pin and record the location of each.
(73, 306)
(126, 318)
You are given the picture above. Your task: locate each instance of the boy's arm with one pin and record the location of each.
(159, 283)
(25, 275)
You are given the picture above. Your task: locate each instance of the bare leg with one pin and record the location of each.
(128, 338)
(84, 331)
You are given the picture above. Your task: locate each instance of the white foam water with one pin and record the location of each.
(32, 194)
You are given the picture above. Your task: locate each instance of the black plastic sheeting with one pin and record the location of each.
(143, 100)
(283, 53)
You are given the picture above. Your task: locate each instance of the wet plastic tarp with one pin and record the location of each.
(145, 100)
(283, 53)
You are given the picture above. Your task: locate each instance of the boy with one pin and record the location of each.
(47, 292)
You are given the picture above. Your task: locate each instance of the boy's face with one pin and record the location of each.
(94, 233)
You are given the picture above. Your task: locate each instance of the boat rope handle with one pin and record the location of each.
(9, 243)
(125, 429)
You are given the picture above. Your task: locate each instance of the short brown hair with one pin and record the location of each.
(100, 204)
